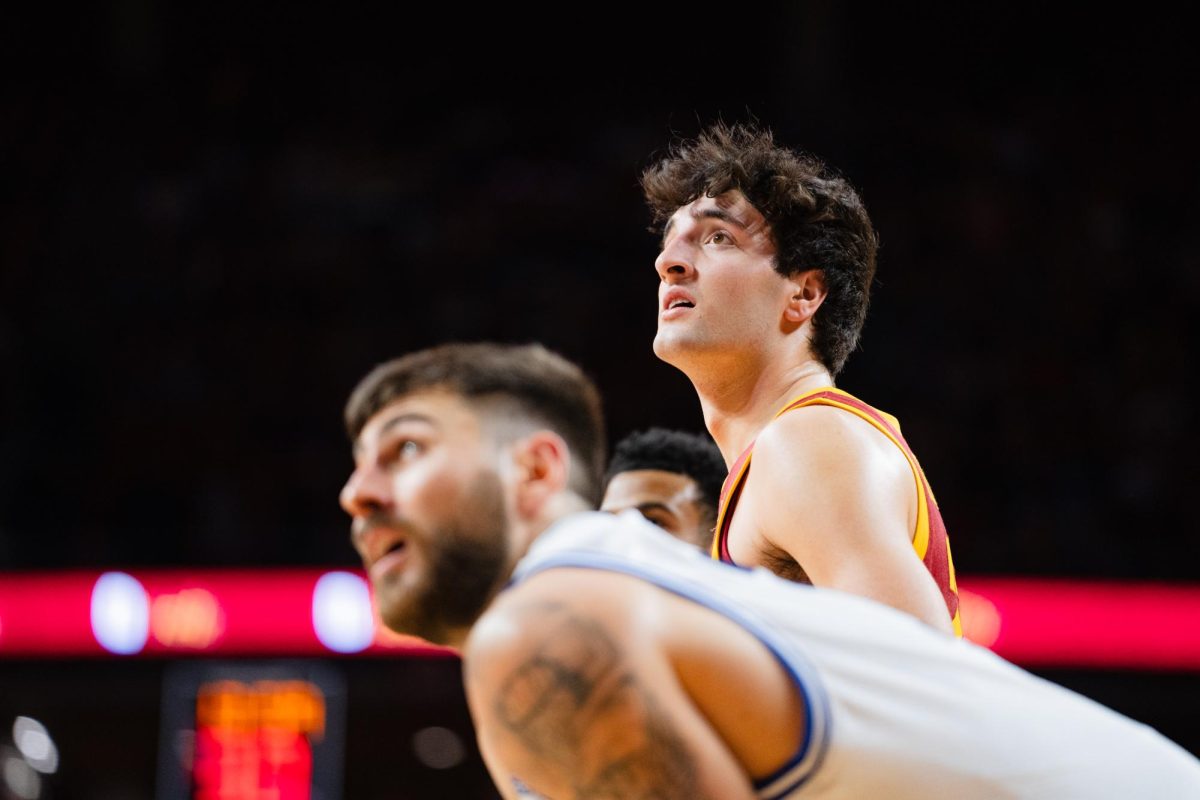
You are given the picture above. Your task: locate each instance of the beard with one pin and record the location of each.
(465, 556)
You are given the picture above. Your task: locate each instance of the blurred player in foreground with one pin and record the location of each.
(604, 658)
(672, 478)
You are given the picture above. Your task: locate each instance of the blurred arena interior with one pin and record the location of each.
(215, 220)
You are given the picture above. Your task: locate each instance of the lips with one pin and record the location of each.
(391, 561)
(384, 549)
(675, 303)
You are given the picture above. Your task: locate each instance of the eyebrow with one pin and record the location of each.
(400, 419)
(654, 505)
(708, 213)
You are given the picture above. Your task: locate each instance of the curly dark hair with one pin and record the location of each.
(527, 381)
(691, 454)
(816, 218)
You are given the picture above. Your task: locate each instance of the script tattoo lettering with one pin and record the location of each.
(575, 705)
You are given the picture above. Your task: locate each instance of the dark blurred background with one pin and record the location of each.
(215, 220)
(214, 224)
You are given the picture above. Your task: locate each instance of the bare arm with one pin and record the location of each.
(567, 697)
(840, 499)
(500, 777)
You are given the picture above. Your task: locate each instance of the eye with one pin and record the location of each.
(401, 451)
(659, 518)
(720, 237)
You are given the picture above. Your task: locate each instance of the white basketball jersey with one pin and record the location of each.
(896, 710)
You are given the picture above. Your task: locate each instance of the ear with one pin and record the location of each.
(543, 465)
(807, 293)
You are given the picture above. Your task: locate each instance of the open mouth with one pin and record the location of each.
(391, 560)
(677, 299)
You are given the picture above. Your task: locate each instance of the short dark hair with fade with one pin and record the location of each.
(691, 454)
(817, 219)
(542, 386)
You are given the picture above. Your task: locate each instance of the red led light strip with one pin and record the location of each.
(187, 612)
(1088, 624)
(1033, 622)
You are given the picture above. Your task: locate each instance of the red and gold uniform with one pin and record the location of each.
(929, 537)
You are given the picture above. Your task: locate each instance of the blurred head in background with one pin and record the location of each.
(673, 478)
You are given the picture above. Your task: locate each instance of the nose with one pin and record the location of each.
(674, 263)
(366, 492)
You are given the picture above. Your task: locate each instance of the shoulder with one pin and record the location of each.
(545, 668)
(819, 438)
(573, 612)
(819, 470)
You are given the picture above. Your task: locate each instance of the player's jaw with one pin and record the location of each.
(431, 581)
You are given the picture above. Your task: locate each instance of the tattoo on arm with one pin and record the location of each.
(575, 705)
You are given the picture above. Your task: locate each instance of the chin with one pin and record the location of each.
(668, 347)
(405, 621)
(395, 617)
(397, 609)
(677, 349)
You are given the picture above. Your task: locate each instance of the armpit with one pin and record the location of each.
(783, 565)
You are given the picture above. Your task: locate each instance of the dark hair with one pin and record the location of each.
(537, 384)
(817, 220)
(691, 454)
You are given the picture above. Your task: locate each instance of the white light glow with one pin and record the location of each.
(120, 613)
(21, 780)
(341, 612)
(35, 744)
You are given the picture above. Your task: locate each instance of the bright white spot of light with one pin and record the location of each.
(35, 744)
(438, 748)
(341, 612)
(21, 780)
(120, 613)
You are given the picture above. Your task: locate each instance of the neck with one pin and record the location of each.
(524, 533)
(739, 403)
(527, 531)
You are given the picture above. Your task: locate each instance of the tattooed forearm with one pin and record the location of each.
(574, 705)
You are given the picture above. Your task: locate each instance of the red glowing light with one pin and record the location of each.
(1032, 622)
(254, 741)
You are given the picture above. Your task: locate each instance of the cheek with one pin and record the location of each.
(430, 487)
(747, 291)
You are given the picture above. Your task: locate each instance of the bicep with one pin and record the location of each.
(577, 709)
(894, 576)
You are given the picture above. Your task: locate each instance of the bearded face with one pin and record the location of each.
(429, 515)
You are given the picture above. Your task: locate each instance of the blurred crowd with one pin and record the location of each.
(206, 238)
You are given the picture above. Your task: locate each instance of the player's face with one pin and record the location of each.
(668, 499)
(429, 514)
(719, 292)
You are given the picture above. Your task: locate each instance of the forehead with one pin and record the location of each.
(440, 409)
(730, 208)
(731, 204)
(638, 486)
